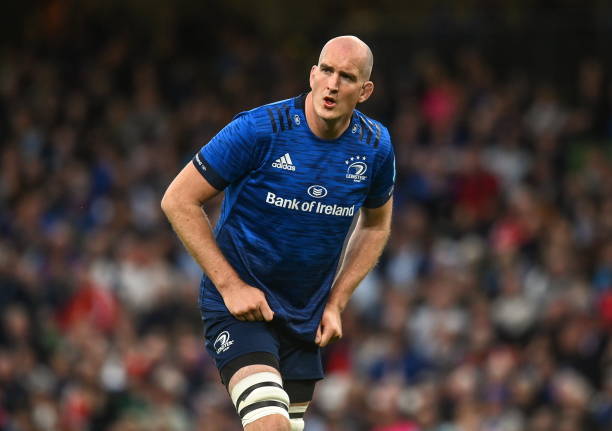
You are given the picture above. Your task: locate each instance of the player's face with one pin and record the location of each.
(338, 84)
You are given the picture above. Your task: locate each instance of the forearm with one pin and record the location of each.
(192, 226)
(363, 250)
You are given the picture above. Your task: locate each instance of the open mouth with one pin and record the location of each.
(329, 102)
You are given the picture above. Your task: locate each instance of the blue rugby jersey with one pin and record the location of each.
(290, 198)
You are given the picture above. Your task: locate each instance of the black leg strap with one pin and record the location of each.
(300, 391)
(259, 405)
(253, 358)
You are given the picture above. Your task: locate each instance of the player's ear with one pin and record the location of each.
(313, 69)
(366, 91)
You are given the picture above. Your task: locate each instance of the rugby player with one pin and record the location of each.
(295, 175)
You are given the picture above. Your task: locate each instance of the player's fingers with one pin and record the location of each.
(266, 311)
(333, 334)
(247, 316)
(326, 334)
(257, 316)
(318, 336)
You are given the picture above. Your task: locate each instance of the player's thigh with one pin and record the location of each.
(301, 367)
(300, 391)
(228, 339)
(246, 354)
(299, 360)
(257, 392)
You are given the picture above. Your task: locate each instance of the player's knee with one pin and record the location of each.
(261, 398)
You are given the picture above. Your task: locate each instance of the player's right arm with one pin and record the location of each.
(182, 205)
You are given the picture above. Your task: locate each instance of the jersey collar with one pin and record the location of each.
(299, 102)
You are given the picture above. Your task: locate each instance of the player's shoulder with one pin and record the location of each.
(275, 117)
(371, 132)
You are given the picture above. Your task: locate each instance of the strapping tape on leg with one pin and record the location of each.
(296, 417)
(259, 395)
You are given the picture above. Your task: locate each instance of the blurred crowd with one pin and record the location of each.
(490, 310)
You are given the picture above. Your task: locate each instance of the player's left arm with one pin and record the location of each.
(363, 250)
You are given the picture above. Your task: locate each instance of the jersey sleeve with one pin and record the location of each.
(382, 185)
(230, 154)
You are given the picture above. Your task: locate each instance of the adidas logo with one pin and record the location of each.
(284, 163)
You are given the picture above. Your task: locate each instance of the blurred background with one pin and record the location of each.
(491, 308)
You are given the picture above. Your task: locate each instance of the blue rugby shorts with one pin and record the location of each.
(228, 338)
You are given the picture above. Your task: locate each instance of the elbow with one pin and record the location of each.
(174, 202)
(167, 203)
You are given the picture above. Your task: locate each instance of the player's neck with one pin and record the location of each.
(324, 129)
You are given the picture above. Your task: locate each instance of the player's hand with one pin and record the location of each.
(247, 303)
(330, 328)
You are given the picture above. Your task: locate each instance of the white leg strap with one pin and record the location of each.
(296, 417)
(259, 395)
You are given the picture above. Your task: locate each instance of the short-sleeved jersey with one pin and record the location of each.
(290, 199)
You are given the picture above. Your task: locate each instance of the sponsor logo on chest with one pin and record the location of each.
(315, 207)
